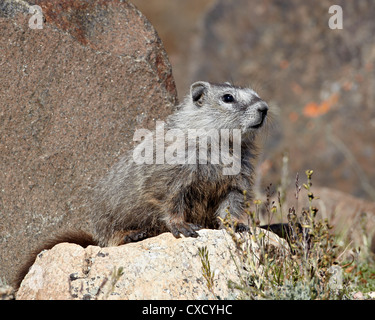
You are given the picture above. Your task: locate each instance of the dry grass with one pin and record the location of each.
(317, 264)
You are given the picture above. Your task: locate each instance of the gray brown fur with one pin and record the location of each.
(137, 201)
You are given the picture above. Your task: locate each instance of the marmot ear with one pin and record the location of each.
(197, 92)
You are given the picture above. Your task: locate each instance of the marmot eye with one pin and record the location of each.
(227, 98)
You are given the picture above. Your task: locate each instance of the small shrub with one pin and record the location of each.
(307, 269)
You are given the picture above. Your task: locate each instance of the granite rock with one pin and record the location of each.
(71, 96)
(161, 267)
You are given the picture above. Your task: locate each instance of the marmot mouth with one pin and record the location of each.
(257, 126)
(263, 110)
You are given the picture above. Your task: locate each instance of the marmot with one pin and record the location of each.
(135, 201)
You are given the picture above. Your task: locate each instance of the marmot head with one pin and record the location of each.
(223, 106)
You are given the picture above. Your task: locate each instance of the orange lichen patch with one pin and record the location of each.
(313, 110)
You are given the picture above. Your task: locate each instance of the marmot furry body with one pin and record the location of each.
(135, 201)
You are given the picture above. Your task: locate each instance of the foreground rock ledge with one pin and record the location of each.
(157, 268)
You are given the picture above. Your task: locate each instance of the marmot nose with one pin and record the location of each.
(262, 108)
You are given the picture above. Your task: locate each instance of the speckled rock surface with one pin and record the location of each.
(157, 268)
(71, 96)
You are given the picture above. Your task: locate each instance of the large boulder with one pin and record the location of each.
(71, 96)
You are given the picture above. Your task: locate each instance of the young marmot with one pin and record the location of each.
(135, 201)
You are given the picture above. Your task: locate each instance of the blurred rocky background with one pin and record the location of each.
(320, 82)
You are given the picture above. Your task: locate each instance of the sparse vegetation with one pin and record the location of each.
(115, 277)
(206, 269)
(314, 264)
